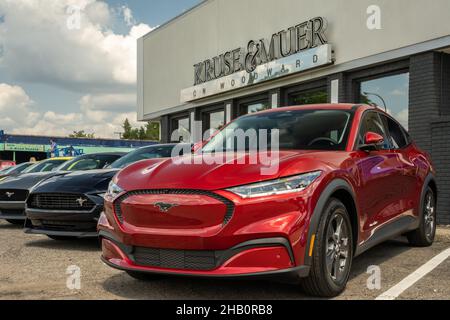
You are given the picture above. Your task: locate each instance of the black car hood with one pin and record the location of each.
(78, 182)
(26, 181)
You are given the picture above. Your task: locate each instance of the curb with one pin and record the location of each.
(443, 234)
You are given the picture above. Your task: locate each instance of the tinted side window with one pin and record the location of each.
(371, 122)
(397, 137)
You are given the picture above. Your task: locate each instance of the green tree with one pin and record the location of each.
(148, 132)
(152, 131)
(82, 134)
(127, 130)
(142, 134)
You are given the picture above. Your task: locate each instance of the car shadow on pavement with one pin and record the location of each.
(9, 226)
(178, 288)
(170, 287)
(379, 254)
(89, 245)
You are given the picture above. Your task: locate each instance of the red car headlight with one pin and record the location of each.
(113, 191)
(274, 187)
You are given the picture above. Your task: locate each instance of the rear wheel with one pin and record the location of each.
(142, 276)
(61, 238)
(425, 234)
(333, 253)
(15, 222)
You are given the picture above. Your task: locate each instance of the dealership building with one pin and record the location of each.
(226, 58)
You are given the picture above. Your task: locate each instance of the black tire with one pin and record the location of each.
(15, 222)
(425, 234)
(329, 275)
(142, 276)
(62, 238)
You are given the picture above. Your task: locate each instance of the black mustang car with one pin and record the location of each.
(68, 206)
(14, 190)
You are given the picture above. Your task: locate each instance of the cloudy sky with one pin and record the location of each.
(70, 65)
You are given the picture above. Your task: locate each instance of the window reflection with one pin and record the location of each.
(309, 97)
(216, 120)
(254, 107)
(181, 127)
(394, 90)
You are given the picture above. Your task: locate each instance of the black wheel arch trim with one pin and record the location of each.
(430, 178)
(331, 188)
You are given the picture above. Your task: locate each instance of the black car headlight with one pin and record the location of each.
(274, 187)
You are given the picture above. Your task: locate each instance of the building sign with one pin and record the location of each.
(296, 49)
(24, 147)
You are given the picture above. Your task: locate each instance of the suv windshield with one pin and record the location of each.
(89, 162)
(143, 154)
(298, 130)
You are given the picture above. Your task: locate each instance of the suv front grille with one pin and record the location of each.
(61, 201)
(175, 259)
(229, 204)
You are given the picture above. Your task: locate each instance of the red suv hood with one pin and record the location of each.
(167, 174)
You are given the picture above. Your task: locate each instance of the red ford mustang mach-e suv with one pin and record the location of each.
(344, 179)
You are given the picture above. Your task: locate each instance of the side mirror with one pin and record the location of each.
(372, 141)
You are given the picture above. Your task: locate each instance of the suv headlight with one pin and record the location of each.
(275, 187)
(113, 190)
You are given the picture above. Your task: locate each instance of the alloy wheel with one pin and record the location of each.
(430, 215)
(337, 250)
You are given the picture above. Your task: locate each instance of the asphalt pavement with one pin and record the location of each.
(35, 267)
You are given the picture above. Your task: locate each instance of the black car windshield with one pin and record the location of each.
(143, 154)
(297, 130)
(89, 162)
(44, 166)
(16, 169)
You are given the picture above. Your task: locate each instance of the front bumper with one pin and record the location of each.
(257, 237)
(258, 258)
(12, 210)
(66, 223)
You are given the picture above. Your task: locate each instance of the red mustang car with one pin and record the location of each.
(347, 178)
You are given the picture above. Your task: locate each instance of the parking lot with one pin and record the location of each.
(34, 267)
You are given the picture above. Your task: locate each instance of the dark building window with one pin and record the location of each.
(392, 90)
(253, 107)
(213, 118)
(182, 126)
(316, 96)
(253, 104)
(314, 92)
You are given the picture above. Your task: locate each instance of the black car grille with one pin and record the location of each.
(229, 204)
(13, 195)
(61, 201)
(175, 259)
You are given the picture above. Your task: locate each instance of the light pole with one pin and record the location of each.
(380, 97)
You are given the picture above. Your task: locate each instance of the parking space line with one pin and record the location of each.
(394, 292)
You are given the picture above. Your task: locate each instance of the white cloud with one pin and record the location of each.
(128, 16)
(38, 45)
(94, 116)
(402, 117)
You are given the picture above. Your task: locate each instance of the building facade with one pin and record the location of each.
(226, 58)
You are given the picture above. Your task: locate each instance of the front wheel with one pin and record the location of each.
(333, 253)
(425, 234)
